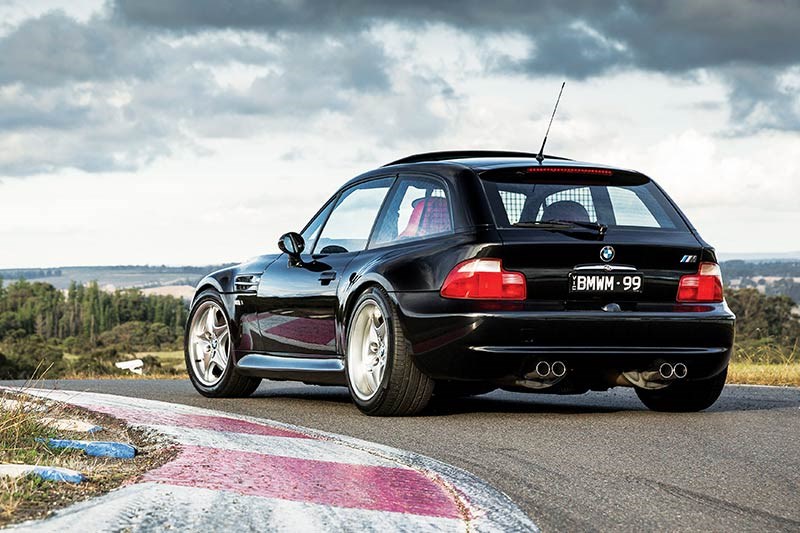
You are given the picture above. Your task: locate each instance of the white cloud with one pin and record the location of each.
(238, 137)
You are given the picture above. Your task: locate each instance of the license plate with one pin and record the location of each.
(631, 283)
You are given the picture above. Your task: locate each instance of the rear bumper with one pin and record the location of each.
(481, 343)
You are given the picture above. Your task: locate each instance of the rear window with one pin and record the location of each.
(625, 201)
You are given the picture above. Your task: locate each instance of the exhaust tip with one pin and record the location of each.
(680, 370)
(558, 368)
(543, 368)
(666, 370)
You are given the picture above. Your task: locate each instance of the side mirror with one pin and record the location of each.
(292, 244)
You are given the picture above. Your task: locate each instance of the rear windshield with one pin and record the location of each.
(631, 202)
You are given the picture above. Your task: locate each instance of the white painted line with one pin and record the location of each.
(483, 507)
(310, 449)
(65, 424)
(15, 471)
(156, 507)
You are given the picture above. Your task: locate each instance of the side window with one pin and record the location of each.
(629, 210)
(569, 204)
(417, 208)
(350, 223)
(313, 228)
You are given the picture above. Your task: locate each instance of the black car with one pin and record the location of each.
(457, 273)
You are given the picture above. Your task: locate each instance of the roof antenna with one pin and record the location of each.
(540, 155)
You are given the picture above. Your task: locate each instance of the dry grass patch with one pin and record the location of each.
(785, 374)
(30, 497)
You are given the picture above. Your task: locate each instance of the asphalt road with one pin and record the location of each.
(597, 461)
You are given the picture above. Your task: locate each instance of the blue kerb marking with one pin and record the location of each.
(58, 474)
(117, 450)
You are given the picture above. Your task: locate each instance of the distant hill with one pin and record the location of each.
(760, 257)
(115, 277)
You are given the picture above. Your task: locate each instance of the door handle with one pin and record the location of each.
(326, 277)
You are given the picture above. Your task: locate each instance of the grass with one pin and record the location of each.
(783, 374)
(764, 362)
(30, 497)
(172, 367)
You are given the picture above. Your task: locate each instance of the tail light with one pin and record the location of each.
(705, 286)
(484, 279)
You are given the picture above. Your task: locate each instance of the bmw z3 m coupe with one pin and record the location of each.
(457, 273)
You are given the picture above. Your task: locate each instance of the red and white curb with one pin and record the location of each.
(254, 474)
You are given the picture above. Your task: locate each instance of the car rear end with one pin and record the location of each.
(588, 278)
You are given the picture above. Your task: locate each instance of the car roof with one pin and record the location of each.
(481, 160)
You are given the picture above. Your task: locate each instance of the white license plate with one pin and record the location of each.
(605, 283)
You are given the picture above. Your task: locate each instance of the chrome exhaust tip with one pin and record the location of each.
(558, 369)
(680, 370)
(543, 368)
(666, 371)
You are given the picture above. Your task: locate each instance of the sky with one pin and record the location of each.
(198, 131)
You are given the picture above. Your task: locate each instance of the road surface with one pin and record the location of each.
(597, 461)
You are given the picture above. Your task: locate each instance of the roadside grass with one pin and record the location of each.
(764, 374)
(765, 363)
(171, 362)
(30, 497)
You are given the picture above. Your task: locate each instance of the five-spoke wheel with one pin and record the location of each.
(381, 374)
(366, 350)
(209, 350)
(209, 343)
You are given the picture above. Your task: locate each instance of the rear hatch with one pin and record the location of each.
(586, 238)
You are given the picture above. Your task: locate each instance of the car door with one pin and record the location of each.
(298, 299)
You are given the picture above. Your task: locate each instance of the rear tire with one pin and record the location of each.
(381, 375)
(209, 330)
(684, 397)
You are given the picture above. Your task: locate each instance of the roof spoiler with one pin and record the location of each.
(465, 154)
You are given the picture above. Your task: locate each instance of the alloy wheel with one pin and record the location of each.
(367, 350)
(209, 347)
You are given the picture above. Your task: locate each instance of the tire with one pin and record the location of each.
(401, 389)
(222, 381)
(684, 397)
(461, 389)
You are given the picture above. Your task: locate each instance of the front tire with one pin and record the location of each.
(208, 351)
(381, 375)
(684, 397)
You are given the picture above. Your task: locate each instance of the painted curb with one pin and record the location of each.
(67, 424)
(116, 450)
(48, 473)
(266, 475)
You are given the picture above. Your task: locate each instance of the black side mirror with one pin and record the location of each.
(292, 244)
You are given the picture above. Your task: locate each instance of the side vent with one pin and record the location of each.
(247, 282)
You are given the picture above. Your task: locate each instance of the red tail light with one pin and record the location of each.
(705, 286)
(484, 279)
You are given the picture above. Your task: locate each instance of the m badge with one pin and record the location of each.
(689, 259)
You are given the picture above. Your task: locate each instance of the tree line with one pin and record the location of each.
(40, 322)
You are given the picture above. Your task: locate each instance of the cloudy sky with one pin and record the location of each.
(197, 131)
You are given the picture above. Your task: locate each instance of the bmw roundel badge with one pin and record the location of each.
(607, 253)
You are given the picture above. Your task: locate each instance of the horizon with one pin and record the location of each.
(134, 144)
(744, 256)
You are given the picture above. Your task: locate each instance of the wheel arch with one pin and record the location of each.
(349, 301)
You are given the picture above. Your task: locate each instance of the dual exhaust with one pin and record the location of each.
(544, 375)
(556, 369)
(657, 378)
(670, 371)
